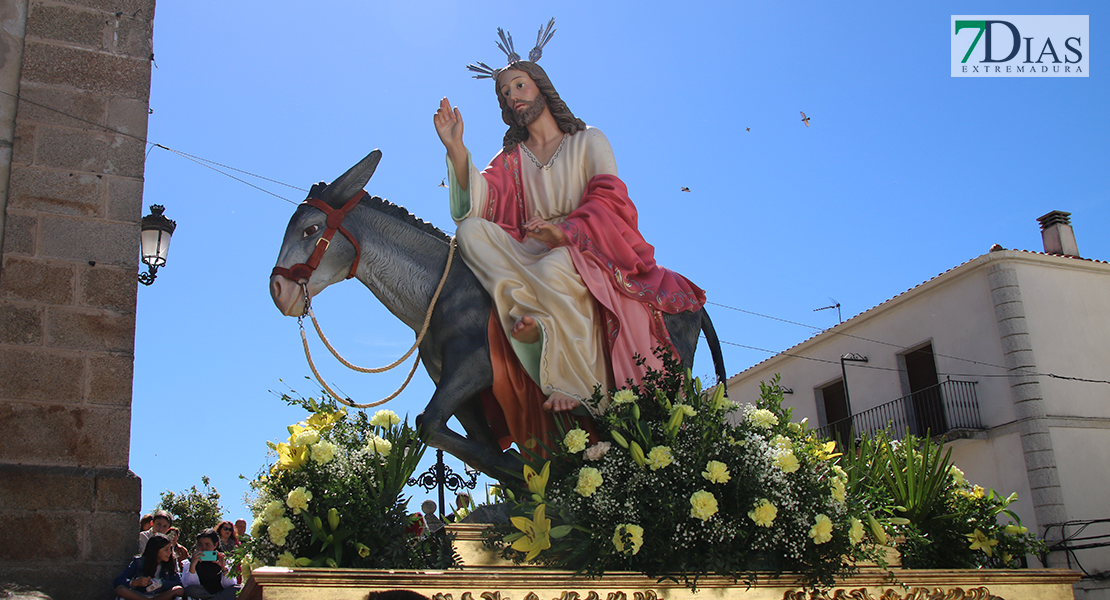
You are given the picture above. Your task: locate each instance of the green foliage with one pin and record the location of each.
(193, 510)
(941, 520)
(333, 497)
(670, 485)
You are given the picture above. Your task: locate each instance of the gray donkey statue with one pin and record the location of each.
(402, 259)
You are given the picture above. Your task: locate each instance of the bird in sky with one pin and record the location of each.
(443, 182)
(805, 119)
(748, 129)
(685, 189)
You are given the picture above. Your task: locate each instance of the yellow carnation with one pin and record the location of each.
(298, 499)
(385, 418)
(821, 531)
(686, 409)
(957, 474)
(576, 440)
(763, 418)
(286, 559)
(764, 513)
(838, 491)
(624, 397)
(589, 479)
(855, 532)
(278, 529)
(636, 534)
(703, 505)
(659, 457)
(379, 445)
(323, 452)
(787, 462)
(716, 471)
(273, 511)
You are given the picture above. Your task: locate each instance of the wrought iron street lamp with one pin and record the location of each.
(155, 240)
(850, 357)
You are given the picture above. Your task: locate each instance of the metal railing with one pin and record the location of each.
(935, 410)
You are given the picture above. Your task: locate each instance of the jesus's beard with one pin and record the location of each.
(530, 112)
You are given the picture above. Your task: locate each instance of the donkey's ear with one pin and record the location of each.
(351, 182)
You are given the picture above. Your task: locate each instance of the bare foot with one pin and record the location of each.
(526, 330)
(560, 402)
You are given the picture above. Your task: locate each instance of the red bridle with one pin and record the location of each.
(334, 223)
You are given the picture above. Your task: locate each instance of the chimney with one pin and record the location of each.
(1057, 234)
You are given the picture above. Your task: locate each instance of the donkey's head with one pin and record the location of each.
(317, 250)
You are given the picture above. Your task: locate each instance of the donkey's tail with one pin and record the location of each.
(714, 347)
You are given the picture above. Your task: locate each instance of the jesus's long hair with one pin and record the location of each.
(565, 119)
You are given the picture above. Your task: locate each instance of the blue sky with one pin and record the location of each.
(904, 173)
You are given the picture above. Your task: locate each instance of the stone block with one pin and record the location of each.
(42, 536)
(74, 329)
(1009, 310)
(1043, 478)
(125, 199)
(40, 375)
(97, 72)
(128, 116)
(85, 239)
(60, 192)
(133, 37)
(20, 324)
(127, 157)
(23, 144)
(33, 280)
(115, 534)
(107, 287)
(120, 491)
(34, 488)
(131, 9)
(110, 379)
(1001, 275)
(1039, 459)
(63, 580)
(65, 24)
(19, 233)
(87, 107)
(65, 435)
(1046, 496)
(1033, 442)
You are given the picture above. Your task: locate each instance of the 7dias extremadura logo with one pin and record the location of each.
(1020, 46)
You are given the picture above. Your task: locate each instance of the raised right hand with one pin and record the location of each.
(449, 126)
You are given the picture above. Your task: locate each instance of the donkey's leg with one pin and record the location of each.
(473, 419)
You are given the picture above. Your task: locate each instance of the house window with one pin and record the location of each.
(925, 396)
(837, 418)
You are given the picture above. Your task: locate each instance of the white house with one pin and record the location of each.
(1008, 356)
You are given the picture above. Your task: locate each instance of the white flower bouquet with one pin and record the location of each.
(679, 482)
(333, 495)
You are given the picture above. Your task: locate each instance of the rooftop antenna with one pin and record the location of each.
(835, 305)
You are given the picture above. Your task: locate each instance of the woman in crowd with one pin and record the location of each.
(153, 574)
(179, 552)
(228, 540)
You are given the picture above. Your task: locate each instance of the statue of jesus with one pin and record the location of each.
(549, 230)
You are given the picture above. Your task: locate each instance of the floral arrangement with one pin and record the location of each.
(678, 482)
(940, 520)
(333, 495)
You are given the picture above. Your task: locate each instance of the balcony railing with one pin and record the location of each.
(935, 410)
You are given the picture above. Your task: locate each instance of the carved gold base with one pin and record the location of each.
(527, 583)
(486, 577)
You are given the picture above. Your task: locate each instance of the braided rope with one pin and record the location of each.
(353, 367)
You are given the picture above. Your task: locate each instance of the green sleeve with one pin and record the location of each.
(460, 198)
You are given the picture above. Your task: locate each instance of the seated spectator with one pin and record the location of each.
(228, 540)
(205, 577)
(241, 531)
(146, 522)
(152, 574)
(163, 520)
(179, 551)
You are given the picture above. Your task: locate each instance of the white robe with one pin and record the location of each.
(529, 278)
